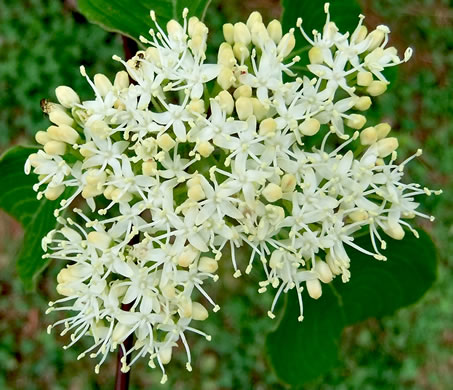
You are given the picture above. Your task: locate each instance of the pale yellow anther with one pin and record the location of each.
(102, 83)
(228, 33)
(241, 52)
(243, 90)
(356, 121)
(314, 288)
(358, 215)
(225, 78)
(165, 142)
(208, 265)
(267, 126)
(368, 136)
(226, 101)
(259, 109)
(376, 88)
(196, 106)
(242, 34)
(121, 80)
(205, 148)
(315, 55)
(196, 193)
(274, 28)
(364, 78)
(53, 193)
(67, 96)
(60, 117)
(244, 108)
(309, 126)
(323, 271)
(272, 192)
(149, 168)
(199, 312)
(100, 240)
(383, 130)
(42, 137)
(288, 183)
(386, 146)
(363, 103)
(55, 148)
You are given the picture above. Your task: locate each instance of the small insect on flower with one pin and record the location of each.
(174, 177)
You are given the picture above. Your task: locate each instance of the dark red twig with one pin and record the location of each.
(122, 378)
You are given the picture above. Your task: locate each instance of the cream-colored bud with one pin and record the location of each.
(55, 148)
(165, 355)
(368, 136)
(196, 193)
(175, 30)
(314, 288)
(358, 215)
(121, 80)
(185, 307)
(386, 146)
(65, 290)
(86, 149)
(153, 55)
(242, 34)
(225, 56)
(193, 181)
(243, 90)
(205, 148)
(108, 192)
(118, 195)
(241, 52)
(394, 230)
(100, 129)
(272, 192)
(244, 108)
(274, 28)
(197, 106)
(315, 55)
(363, 103)
(188, 255)
(199, 312)
(226, 101)
(64, 275)
(193, 20)
(364, 79)
(259, 34)
(259, 109)
(53, 193)
(376, 37)
(288, 183)
(254, 17)
(67, 134)
(228, 33)
(356, 121)
(42, 137)
(383, 130)
(286, 45)
(377, 88)
(208, 265)
(225, 78)
(100, 240)
(309, 126)
(149, 168)
(60, 117)
(359, 34)
(323, 271)
(168, 291)
(95, 177)
(333, 264)
(165, 142)
(268, 126)
(102, 83)
(120, 333)
(90, 191)
(67, 96)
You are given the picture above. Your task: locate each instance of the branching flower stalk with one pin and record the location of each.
(195, 159)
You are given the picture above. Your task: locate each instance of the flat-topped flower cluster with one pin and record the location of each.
(180, 161)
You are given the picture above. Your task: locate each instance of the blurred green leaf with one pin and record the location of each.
(301, 352)
(132, 18)
(18, 199)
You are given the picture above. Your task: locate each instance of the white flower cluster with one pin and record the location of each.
(179, 160)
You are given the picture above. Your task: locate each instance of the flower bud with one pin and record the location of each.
(288, 183)
(55, 148)
(368, 136)
(168, 291)
(315, 55)
(356, 121)
(314, 288)
(165, 142)
(243, 90)
(272, 192)
(196, 106)
(225, 78)
(100, 240)
(53, 193)
(267, 126)
(309, 126)
(199, 312)
(103, 84)
(228, 33)
(382, 130)
(376, 37)
(120, 333)
(377, 88)
(386, 146)
(67, 134)
(323, 271)
(242, 34)
(60, 117)
(276, 259)
(185, 307)
(244, 108)
(226, 101)
(90, 191)
(67, 96)
(196, 193)
(165, 355)
(208, 265)
(259, 34)
(363, 103)
(274, 28)
(119, 195)
(394, 230)
(287, 44)
(175, 30)
(188, 255)
(259, 109)
(225, 56)
(121, 80)
(358, 215)
(241, 52)
(205, 148)
(149, 168)
(42, 137)
(364, 79)
(254, 17)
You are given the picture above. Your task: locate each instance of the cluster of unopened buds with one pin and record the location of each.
(181, 162)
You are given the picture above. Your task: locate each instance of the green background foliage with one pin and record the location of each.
(44, 42)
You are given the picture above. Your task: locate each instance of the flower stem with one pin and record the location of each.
(122, 378)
